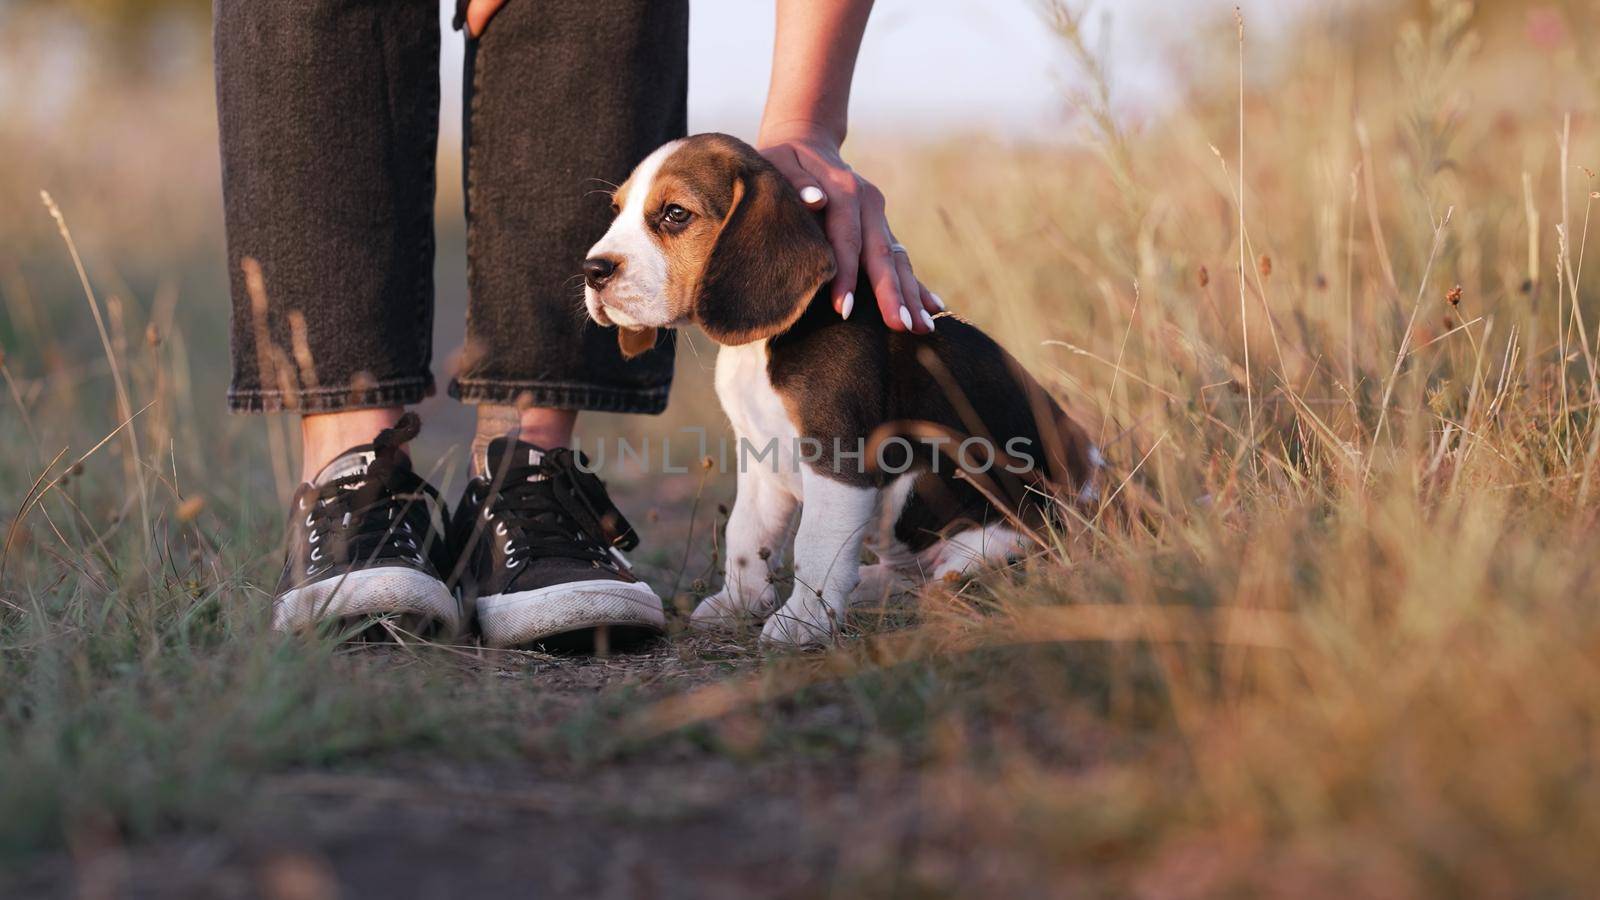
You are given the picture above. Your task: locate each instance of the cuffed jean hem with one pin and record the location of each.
(398, 392)
(563, 395)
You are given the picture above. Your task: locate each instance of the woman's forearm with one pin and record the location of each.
(813, 60)
(807, 112)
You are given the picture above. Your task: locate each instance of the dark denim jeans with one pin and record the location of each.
(328, 113)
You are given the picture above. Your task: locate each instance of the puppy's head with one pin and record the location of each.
(706, 231)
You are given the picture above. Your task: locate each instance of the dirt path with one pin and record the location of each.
(676, 820)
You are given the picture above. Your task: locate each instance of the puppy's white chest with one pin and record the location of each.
(756, 412)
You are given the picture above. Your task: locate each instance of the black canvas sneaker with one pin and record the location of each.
(366, 539)
(539, 544)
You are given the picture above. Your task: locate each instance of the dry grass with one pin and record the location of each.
(1337, 635)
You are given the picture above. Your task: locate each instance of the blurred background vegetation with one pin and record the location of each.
(118, 21)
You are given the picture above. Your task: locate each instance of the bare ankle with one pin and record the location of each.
(548, 428)
(326, 435)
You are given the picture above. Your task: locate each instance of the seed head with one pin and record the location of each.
(1438, 398)
(190, 508)
(1265, 266)
(1454, 296)
(1203, 276)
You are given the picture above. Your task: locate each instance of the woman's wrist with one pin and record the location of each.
(800, 131)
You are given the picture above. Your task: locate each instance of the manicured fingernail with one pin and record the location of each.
(905, 317)
(847, 304)
(811, 194)
(927, 320)
(937, 301)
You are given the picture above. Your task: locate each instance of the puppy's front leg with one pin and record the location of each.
(757, 528)
(834, 518)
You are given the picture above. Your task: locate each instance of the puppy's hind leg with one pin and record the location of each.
(896, 569)
(964, 553)
(834, 518)
(879, 582)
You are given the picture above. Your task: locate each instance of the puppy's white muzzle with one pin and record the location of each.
(634, 295)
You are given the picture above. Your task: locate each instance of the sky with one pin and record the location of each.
(927, 65)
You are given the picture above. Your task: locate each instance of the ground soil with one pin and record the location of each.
(681, 823)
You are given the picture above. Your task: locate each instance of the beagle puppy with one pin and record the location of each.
(937, 451)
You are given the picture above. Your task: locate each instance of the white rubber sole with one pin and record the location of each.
(525, 617)
(379, 591)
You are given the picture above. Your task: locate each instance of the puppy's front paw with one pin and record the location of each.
(723, 611)
(802, 622)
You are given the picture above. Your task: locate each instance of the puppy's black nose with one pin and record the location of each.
(598, 270)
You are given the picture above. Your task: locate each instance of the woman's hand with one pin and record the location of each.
(478, 14)
(856, 224)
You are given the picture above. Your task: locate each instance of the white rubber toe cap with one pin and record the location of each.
(378, 591)
(524, 617)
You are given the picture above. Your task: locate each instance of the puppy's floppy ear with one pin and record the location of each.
(769, 260)
(635, 341)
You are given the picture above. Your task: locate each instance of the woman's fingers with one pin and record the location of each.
(910, 288)
(842, 222)
(479, 12)
(812, 193)
(882, 269)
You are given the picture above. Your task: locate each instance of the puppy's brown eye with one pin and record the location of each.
(676, 214)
